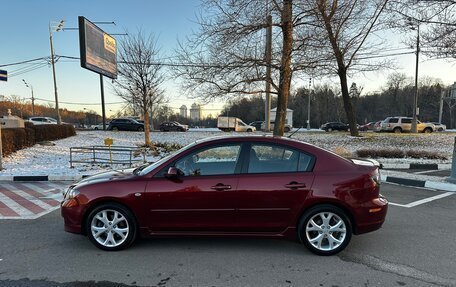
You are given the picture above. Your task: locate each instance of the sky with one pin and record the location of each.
(25, 35)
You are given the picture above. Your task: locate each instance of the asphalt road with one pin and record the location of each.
(415, 247)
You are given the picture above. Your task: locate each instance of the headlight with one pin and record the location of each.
(71, 193)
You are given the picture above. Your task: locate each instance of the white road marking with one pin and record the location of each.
(423, 201)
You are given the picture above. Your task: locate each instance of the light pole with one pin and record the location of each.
(56, 29)
(412, 23)
(308, 105)
(33, 99)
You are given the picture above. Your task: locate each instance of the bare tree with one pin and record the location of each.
(345, 27)
(226, 57)
(140, 75)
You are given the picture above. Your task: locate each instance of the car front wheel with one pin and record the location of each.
(325, 230)
(111, 227)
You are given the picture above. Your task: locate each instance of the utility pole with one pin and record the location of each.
(308, 105)
(268, 57)
(33, 99)
(59, 27)
(415, 97)
(1, 147)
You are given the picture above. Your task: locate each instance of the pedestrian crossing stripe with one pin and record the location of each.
(29, 200)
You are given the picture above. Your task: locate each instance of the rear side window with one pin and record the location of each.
(406, 121)
(393, 120)
(265, 158)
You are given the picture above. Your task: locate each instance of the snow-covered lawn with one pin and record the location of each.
(54, 160)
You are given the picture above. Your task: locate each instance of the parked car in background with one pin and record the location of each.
(439, 127)
(125, 124)
(172, 127)
(367, 127)
(334, 126)
(228, 124)
(404, 124)
(377, 126)
(259, 186)
(42, 120)
(287, 128)
(257, 125)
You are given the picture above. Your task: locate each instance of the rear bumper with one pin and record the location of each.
(372, 216)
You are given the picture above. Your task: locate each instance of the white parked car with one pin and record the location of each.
(42, 121)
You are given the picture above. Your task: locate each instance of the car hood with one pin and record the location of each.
(108, 176)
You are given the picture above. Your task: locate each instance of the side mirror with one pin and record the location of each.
(173, 172)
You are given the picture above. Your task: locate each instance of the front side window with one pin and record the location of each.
(220, 160)
(275, 159)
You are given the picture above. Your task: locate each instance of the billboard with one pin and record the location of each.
(98, 49)
(3, 75)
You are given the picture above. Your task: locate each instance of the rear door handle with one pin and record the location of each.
(221, 186)
(295, 185)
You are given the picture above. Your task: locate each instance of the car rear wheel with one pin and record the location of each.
(397, 130)
(427, 130)
(111, 227)
(325, 230)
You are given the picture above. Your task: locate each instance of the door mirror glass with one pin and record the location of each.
(173, 172)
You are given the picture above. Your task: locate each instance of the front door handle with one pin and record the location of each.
(221, 186)
(295, 185)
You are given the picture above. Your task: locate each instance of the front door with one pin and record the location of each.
(203, 198)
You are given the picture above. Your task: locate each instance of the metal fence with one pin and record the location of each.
(122, 155)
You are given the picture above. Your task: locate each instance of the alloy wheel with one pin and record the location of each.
(110, 228)
(326, 231)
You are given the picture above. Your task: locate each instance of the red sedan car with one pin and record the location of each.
(232, 186)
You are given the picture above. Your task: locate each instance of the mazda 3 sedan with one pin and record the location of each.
(256, 186)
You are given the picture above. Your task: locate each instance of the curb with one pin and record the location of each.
(41, 178)
(429, 166)
(444, 186)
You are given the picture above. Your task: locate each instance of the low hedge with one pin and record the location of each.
(14, 139)
(396, 153)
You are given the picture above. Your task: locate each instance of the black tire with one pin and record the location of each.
(116, 129)
(287, 129)
(440, 129)
(140, 129)
(329, 130)
(427, 130)
(338, 215)
(249, 130)
(397, 130)
(96, 128)
(129, 223)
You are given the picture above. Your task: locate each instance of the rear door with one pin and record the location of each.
(272, 187)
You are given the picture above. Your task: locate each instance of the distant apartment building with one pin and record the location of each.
(196, 112)
(183, 111)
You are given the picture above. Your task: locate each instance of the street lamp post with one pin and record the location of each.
(415, 94)
(56, 29)
(33, 99)
(308, 105)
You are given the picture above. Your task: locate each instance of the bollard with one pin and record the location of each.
(452, 177)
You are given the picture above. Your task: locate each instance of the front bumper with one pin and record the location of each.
(72, 217)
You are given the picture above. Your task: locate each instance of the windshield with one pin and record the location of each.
(242, 123)
(145, 169)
